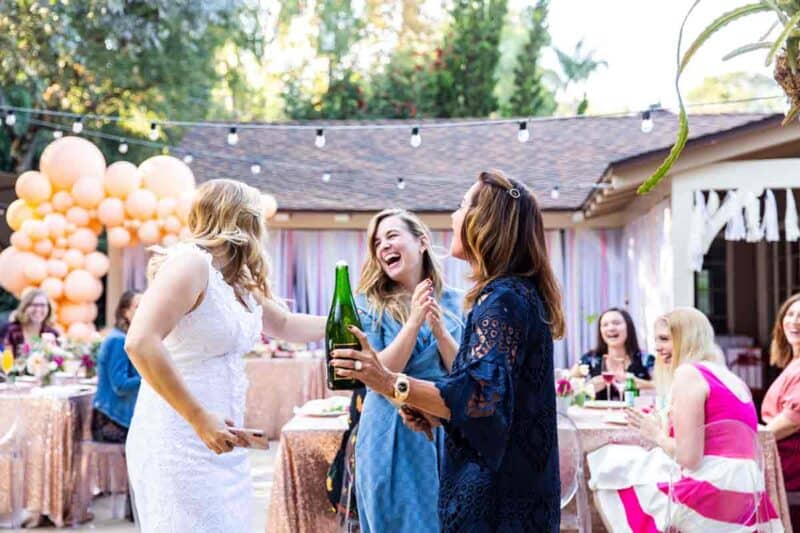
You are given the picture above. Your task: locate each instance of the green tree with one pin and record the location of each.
(141, 60)
(531, 96)
(576, 68)
(736, 86)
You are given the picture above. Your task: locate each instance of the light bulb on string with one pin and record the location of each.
(555, 193)
(319, 141)
(255, 168)
(416, 138)
(77, 126)
(11, 118)
(57, 134)
(153, 134)
(647, 122)
(188, 158)
(326, 177)
(401, 183)
(233, 137)
(523, 134)
(123, 147)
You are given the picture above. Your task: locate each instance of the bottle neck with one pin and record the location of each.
(342, 283)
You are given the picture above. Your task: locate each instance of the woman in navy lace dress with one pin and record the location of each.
(497, 405)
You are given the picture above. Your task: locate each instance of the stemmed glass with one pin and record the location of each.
(608, 376)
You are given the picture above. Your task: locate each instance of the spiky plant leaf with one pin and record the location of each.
(774, 6)
(791, 114)
(746, 48)
(791, 55)
(792, 24)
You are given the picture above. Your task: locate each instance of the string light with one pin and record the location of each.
(647, 122)
(319, 141)
(233, 137)
(401, 184)
(188, 158)
(523, 134)
(11, 118)
(123, 147)
(77, 126)
(153, 134)
(555, 193)
(57, 134)
(255, 168)
(326, 177)
(416, 138)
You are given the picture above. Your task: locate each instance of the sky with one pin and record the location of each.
(638, 39)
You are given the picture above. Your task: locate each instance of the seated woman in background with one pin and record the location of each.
(715, 475)
(781, 407)
(117, 379)
(30, 323)
(617, 347)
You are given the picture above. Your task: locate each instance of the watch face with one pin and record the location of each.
(402, 387)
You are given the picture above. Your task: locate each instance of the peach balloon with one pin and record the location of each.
(96, 263)
(80, 286)
(148, 232)
(21, 241)
(74, 259)
(54, 288)
(141, 204)
(70, 313)
(167, 176)
(43, 247)
(121, 179)
(169, 239)
(84, 240)
(62, 201)
(96, 226)
(56, 224)
(35, 269)
(172, 224)
(33, 187)
(57, 268)
(18, 212)
(61, 242)
(118, 237)
(183, 206)
(269, 204)
(166, 206)
(111, 212)
(12, 277)
(69, 158)
(35, 229)
(80, 331)
(45, 208)
(88, 192)
(78, 216)
(60, 251)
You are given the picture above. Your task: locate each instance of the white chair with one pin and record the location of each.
(573, 484)
(739, 470)
(91, 453)
(12, 464)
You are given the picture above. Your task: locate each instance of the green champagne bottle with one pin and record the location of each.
(631, 391)
(343, 313)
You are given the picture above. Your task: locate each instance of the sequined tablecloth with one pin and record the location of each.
(595, 432)
(277, 386)
(53, 424)
(298, 503)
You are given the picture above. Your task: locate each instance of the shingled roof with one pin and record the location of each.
(572, 153)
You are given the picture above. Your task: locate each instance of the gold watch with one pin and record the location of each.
(401, 388)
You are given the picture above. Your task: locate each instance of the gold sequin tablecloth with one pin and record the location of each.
(277, 386)
(298, 503)
(595, 432)
(53, 422)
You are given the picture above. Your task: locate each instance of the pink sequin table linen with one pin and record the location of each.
(299, 504)
(277, 386)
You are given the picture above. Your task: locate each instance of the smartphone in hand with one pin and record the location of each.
(256, 438)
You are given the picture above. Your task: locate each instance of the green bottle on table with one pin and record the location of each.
(343, 313)
(631, 391)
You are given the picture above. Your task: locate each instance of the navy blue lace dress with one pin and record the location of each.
(500, 470)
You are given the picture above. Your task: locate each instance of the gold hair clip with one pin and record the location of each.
(514, 192)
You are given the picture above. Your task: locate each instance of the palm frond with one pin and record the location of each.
(744, 49)
(774, 25)
(787, 29)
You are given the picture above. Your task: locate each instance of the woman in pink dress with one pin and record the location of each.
(781, 407)
(714, 475)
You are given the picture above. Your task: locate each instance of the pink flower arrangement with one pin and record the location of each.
(563, 388)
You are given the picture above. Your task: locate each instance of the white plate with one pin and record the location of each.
(604, 404)
(329, 407)
(616, 418)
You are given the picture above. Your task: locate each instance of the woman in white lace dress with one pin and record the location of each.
(206, 305)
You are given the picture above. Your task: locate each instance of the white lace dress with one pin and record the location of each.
(180, 485)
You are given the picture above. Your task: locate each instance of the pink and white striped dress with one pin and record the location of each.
(631, 484)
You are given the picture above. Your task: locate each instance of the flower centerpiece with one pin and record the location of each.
(85, 352)
(43, 358)
(572, 388)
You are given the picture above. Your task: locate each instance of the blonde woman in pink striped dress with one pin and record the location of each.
(713, 472)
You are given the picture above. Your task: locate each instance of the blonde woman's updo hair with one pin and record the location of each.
(382, 293)
(692, 341)
(227, 218)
